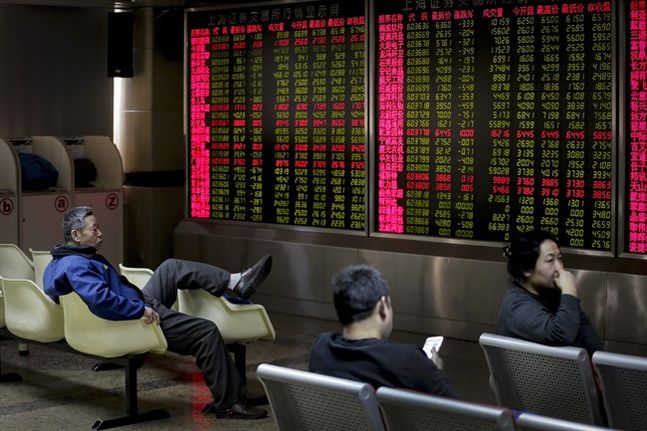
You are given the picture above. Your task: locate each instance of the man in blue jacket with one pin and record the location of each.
(77, 267)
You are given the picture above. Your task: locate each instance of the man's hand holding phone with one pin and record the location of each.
(431, 348)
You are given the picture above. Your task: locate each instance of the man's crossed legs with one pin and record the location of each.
(189, 335)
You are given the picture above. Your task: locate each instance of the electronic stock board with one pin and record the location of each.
(495, 117)
(491, 117)
(276, 114)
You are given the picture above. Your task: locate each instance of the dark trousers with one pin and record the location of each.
(188, 335)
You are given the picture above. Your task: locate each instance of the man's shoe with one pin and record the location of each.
(235, 411)
(252, 277)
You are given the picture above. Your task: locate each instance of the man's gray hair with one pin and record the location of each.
(74, 219)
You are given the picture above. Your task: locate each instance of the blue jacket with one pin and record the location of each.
(80, 269)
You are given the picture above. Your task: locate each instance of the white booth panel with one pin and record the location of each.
(9, 219)
(54, 151)
(10, 172)
(9, 188)
(42, 220)
(107, 160)
(108, 208)
(42, 212)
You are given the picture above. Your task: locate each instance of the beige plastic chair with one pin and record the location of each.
(137, 276)
(2, 324)
(40, 258)
(118, 340)
(29, 313)
(114, 330)
(236, 322)
(90, 334)
(5, 377)
(14, 263)
(96, 336)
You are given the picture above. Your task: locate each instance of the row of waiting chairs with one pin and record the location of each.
(305, 401)
(552, 386)
(560, 382)
(552, 381)
(29, 314)
(238, 323)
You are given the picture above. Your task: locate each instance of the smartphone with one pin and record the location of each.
(431, 343)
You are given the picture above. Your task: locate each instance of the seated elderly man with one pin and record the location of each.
(77, 267)
(361, 352)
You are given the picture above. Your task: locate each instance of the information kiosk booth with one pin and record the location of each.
(42, 211)
(99, 181)
(9, 192)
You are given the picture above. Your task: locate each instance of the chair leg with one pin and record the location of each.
(106, 366)
(9, 377)
(152, 415)
(240, 360)
(23, 348)
(131, 416)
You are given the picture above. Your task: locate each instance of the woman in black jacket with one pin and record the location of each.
(542, 305)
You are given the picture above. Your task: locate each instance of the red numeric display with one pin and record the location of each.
(495, 118)
(637, 122)
(276, 114)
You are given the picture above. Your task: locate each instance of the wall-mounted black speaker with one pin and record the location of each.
(120, 44)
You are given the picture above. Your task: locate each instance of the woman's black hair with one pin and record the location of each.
(523, 252)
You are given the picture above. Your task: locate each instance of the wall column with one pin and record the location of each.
(149, 134)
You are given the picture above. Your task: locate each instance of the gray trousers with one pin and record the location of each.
(188, 335)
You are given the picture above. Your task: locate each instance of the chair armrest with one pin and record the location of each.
(91, 334)
(137, 276)
(14, 263)
(41, 259)
(236, 322)
(29, 313)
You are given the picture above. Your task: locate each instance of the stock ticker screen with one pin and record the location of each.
(636, 99)
(495, 117)
(276, 114)
(491, 117)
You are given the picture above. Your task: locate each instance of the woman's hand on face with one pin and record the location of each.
(565, 280)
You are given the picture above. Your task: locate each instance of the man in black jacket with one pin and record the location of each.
(361, 352)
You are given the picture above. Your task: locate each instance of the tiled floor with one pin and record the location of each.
(61, 392)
